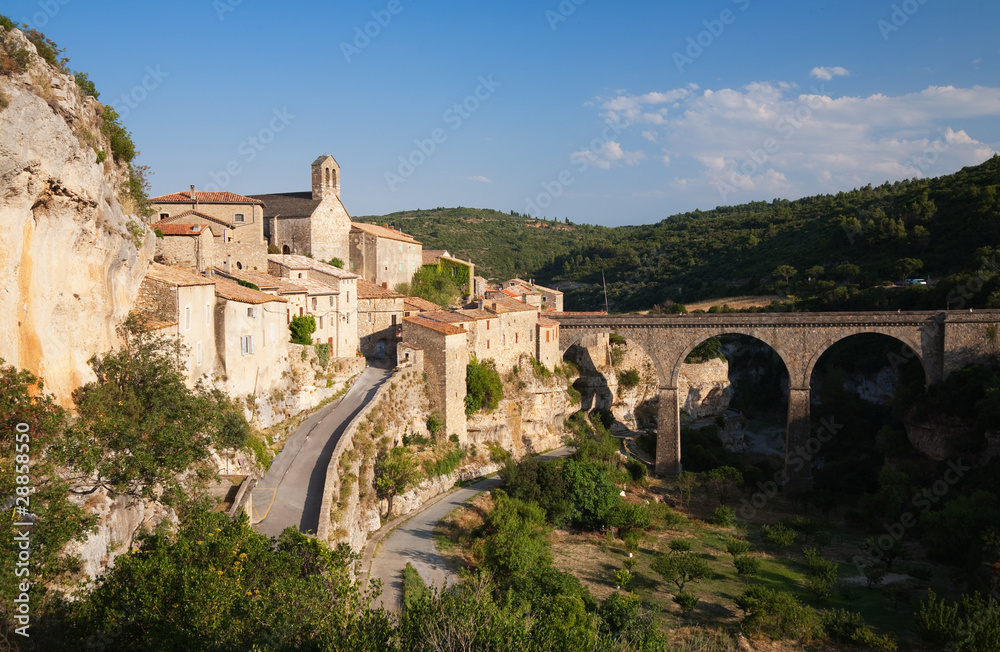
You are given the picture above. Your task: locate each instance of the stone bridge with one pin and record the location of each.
(942, 341)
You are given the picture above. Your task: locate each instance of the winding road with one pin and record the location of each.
(291, 491)
(411, 539)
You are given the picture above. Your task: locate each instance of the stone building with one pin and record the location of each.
(314, 222)
(445, 357)
(251, 338)
(296, 295)
(188, 246)
(380, 318)
(547, 342)
(182, 304)
(384, 255)
(240, 244)
(518, 326)
(484, 330)
(342, 322)
(537, 295)
(417, 305)
(445, 263)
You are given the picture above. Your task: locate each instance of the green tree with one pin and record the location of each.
(681, 568)
(592, 493)
(302, 327)
(395, 472)
(139, 426)
(515, 534)
(483, 386)
(784, 272)
(723, 481)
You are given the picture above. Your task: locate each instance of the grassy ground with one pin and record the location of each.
(593, 557)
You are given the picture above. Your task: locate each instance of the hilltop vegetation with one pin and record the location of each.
(830, 251)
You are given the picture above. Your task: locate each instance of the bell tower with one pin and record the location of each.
(325, 178)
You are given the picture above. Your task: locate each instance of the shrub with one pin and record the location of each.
(679, 545)
(875, 574)
(86, 85)
(681, 568)
(6, 23)
(746, 566)
(628, 379)
(723, 482)
(737, 547)
(539, 370)
(323, 352)
(778, 615)
(970, 625)
(778, 534)
(414, 587)
(434, 423)
(850, 627)
(615, 338)
(724, 516)
(686, 601)
(302, 327)
(484, 388)
(335, 262)
(122, 146)
(628, 517)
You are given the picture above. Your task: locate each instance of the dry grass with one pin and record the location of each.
(737, 303)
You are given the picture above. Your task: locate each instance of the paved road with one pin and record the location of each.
(412, 541)
(291, 491)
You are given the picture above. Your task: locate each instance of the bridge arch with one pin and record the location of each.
(914, 347)
(685, 352)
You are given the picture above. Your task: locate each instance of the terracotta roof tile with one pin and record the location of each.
(154, 322)
(294, 261)
(175, 276)
(263, 280)
(235, 292)
(204, 197)
(314, 287)
(501, 304)
(418, 303)
(383, 232)
(369, 290)
(183, 229)
(477, 314)
(431, 256)
(447, 317)
(191, 217)
(440, 327)
(545, 321)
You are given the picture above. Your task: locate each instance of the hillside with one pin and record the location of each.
(842, 247)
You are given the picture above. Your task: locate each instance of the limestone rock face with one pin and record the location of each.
(72, 259)
(704, 389)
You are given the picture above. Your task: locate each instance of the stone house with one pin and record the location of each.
(417, 305)
(339, 311)
(188, 246)
(380, 318)
(296, 295)
(314, 222)
(182, 304)
(242, 240)
(518, 326)
(536, 295)
(251, 336)
(445, 357)
(461, 270)
(483, 329)
(547, 342)
(384, 255)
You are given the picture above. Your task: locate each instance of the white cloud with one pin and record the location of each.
(770, 139)
(481, 179)
(628, 109)
(826, 74)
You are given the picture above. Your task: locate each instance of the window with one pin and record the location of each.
(394, 320)
(197, 354)
(314, 303)
(517, 336)
(487, 344)
(239, 265)
(331, 300)
(547, 333)
(348, 298)
(400, 248)
(238, 217)
(487, 325)
(288, 315)
(400, 268)
(246, 345)
(531, 336)
(252, 312)
(300, 274)
(371, 317)
(348, 318)
(454, 271)
(187, 318)
(319, 326)
(208, 314)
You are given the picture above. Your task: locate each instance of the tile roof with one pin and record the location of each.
(545, 321)
(383, 232)
(440, 327)
(235, 292)
(191, 217)
(288, 204)
(525, 287)
(183, 229)
(447, 317)
(175, 276)
(154, 322)
(418, 303)
(369, 290)
(500, 304)
(314, 287)
(263, 280)
(294, 261)
(477, 314)
(204, 197)
(431, 256)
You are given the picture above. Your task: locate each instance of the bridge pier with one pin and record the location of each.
(668, 434)
(798, 456)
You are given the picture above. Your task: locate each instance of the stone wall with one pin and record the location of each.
(330, 230)
(379, 320)
(445, 360)
(293, 232)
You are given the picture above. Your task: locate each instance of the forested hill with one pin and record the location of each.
(834, 251)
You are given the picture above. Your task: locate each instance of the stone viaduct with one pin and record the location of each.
(942, 341)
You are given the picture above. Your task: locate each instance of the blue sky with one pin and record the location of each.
(609, 113)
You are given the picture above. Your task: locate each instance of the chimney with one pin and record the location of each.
(385, 285)
(194, 197)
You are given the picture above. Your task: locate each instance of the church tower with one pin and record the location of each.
(330, 223)
(325, 178)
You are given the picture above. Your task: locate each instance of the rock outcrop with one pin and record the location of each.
(72, 259)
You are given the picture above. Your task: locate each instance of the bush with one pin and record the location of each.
(434, 423)
(615, 338)
(746, 566)
(686, 601)
(335, 262)
(323, 352)
(628, 379)
(414, 587)
(302, 327)
(122, 146)
(484, 388)
(850, 627)
(970, 625)
(681, 568)
(679, 545)
(724, 516)
(628, 517)
(778, 615)
(737, 547)
(778, 534)
(87, 86)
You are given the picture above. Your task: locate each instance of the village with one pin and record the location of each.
(232, 272)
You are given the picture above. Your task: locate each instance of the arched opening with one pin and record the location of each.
(380, 349)
(285, 249)
(239, 265)
(732, 395)
(862, 388)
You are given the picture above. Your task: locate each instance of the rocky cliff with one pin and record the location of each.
(73, 258)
